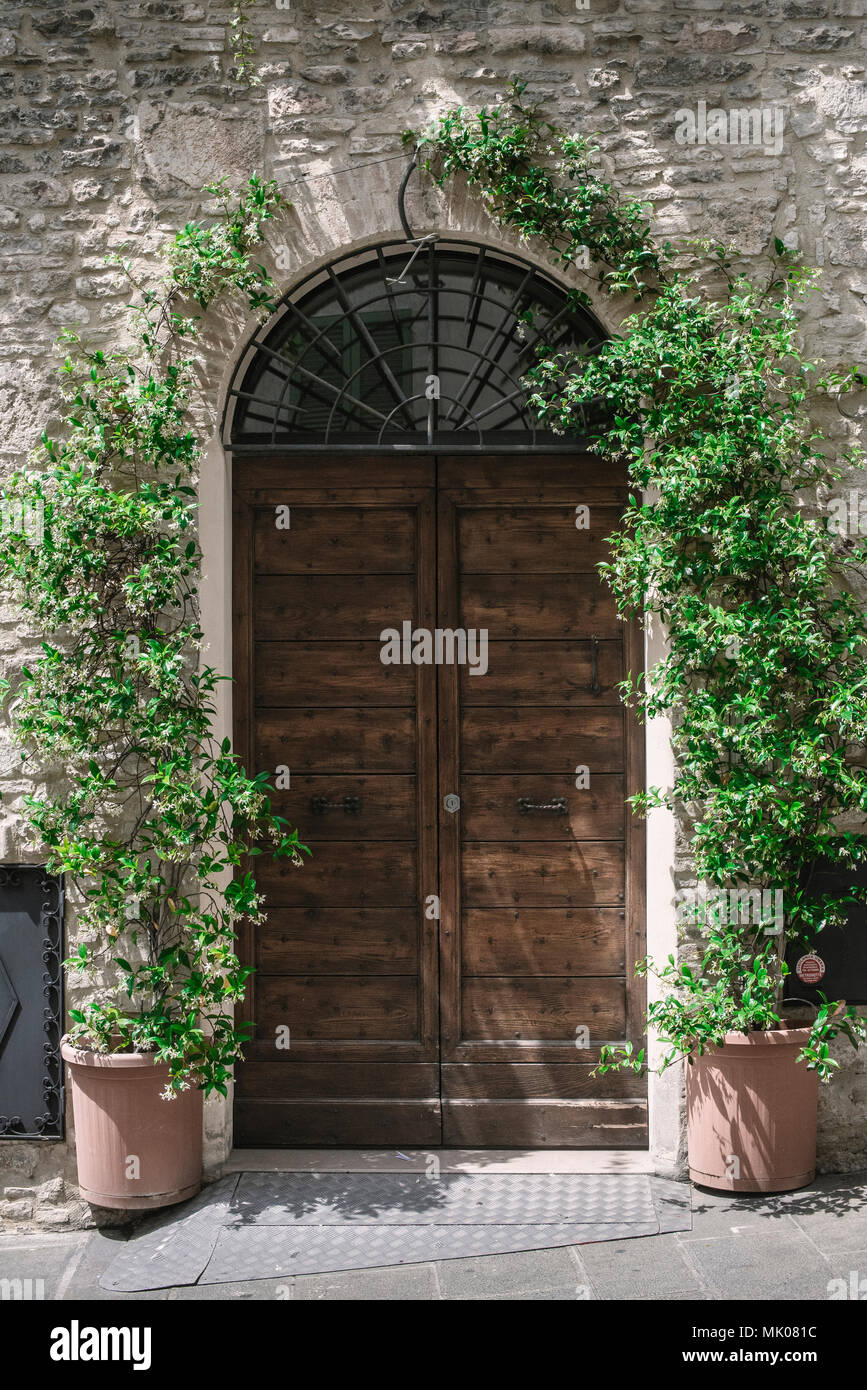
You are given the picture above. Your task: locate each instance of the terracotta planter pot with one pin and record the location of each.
(750, 1101)
(119, 1118)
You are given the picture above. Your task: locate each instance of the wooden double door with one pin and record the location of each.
(446, 965)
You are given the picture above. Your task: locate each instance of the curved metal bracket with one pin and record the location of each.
(401, 193)
(860, 381)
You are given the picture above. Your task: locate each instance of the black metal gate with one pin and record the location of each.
(31, 1003)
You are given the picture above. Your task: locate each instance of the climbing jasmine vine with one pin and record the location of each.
(708, 398)
(153, 820)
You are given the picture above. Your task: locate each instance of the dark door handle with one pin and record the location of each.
(557, 806)
(350, 805)
(595, 687)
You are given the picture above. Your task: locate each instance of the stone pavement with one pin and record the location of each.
(803, 1245)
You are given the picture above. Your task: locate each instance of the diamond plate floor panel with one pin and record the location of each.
(172, 1249)
(265, 1252)
(673, 1203)
(333, 1199)
(262, 1225)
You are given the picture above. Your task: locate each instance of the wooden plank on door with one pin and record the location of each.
(293, 675)
(535, 540)
(545, 1124)
(549, 1008)
(535, 608)
(348, 540)
(363, 806)
(530, 1081)
(329, 607)
(547, 673)
(531, 941)
(497, 740)
(543, 806)
(355, 1007)
(339, 941)
(543, 874)
(357, 739)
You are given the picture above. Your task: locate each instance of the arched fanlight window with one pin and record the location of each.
(406, 347)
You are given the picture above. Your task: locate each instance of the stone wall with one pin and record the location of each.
(114, 114)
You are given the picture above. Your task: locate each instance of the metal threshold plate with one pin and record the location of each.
(263, 1225)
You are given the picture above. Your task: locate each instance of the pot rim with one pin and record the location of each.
(89, 1057)
(794, 1035)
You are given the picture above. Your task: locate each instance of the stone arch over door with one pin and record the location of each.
(448, 965)
(335, 213)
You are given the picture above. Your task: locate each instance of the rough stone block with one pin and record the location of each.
(328, 75)
(416, 48)
(16, 1211)
(817, 38)
(539, 39)
(194, 147)
(51, 1192)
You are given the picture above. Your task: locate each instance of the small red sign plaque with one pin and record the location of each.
(810, 969)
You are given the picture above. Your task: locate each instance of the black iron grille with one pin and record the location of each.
(408, 347)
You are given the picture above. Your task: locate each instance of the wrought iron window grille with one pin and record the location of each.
(421, 344)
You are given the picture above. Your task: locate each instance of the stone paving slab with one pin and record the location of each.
(740, 1264)
(526, 1273)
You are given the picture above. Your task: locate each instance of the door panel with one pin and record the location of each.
(355, 1007)
(335, 540)
(388, 804)
(353, 740)
(527, 941)
(344, 997)
(541, 739)
(505, 808)
(545, 1124)
(543, 874)
(310, 604)
(405, 1029)
(532, 540)
(339, 941)
(525, 1009)
(343, 873)
(299, 673)
(539, 911)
